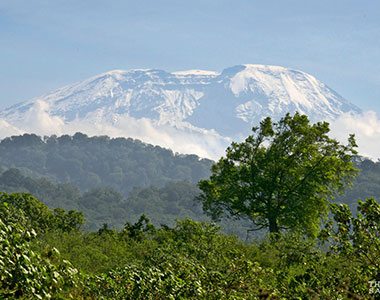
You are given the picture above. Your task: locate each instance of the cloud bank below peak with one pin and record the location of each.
(365, 126)
(186, 139)
(193, 111)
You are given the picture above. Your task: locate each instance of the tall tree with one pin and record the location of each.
(281, 177)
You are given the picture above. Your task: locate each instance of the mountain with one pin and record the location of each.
(188, 111)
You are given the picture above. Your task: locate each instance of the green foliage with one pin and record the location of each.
(107, 179)
(51, 193)
(24, 273)
(39, 216)
(103, 205)
(175, 200)
(357, 238)
(67, 221)
(36, 213)
(365, 185)
(91, 162)
(139, 229)
(281, 176)
(192, 260)
(164, 205)
(304, 271)
(187, 259)
(180, 278)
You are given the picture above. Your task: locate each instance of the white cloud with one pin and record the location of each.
(366, 128)
(187, 139)
(38, 120)
(183, 140)
(7, 129)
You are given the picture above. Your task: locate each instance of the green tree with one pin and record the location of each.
(67, 221)
(281, 176)
(38, 214)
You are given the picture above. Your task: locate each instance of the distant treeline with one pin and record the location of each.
(366, 184)
(106, 205)
(90, 162)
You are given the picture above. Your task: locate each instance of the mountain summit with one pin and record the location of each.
(225, 104)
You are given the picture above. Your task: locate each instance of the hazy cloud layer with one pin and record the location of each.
(186, 139)
(183, 140)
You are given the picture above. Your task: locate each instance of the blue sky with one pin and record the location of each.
(47, 44)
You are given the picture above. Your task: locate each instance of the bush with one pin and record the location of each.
(23, 272)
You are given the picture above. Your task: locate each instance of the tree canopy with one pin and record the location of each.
(92, 162)
(281, 177)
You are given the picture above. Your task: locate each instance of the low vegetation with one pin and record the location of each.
(45, 256)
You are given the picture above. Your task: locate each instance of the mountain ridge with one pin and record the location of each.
(223, 104)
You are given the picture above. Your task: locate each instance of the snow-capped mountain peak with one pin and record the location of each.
(224, 104)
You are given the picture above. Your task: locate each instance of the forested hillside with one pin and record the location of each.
(106, 205)
(366, 184)
(163, 205)
(100, 161)
(163, 186)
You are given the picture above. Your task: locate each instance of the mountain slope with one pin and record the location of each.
(203, 107)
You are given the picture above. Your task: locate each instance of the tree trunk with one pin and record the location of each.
(273, 226)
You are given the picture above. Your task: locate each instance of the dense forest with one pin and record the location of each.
(101, 218)
(163, 186)
(104, 205)
(100, 161)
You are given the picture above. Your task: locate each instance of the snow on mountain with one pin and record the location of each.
(195, 72)
(205, 104)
